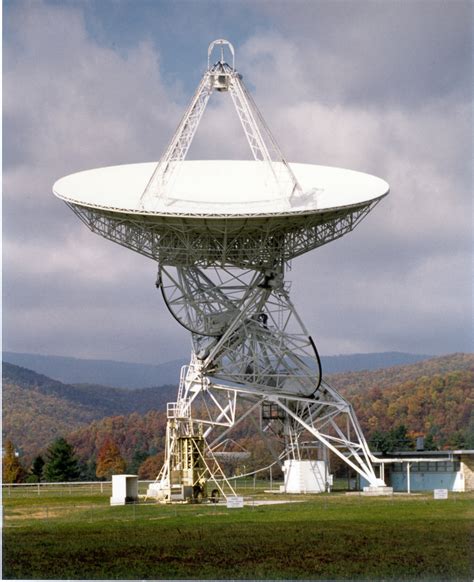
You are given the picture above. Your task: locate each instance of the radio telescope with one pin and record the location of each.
(222, 233)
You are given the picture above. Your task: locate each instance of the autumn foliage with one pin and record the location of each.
(440, 406)
(37, 409)
(150, 468)
(109, 460)
(432, 398)
(131, 433)
(12, 471)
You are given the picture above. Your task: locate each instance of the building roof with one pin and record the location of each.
(424, 454)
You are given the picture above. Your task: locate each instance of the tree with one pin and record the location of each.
(13, 472)
(37, 468)
(395, 439)
(139, 457)
(380, 442)
(61, 464)
(87, 470)
(150, 468)
(400, 439)
(430, 443)
(109, 460)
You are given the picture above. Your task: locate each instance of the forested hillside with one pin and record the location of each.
(133, 433)
(31, 420)
(432, 397)
(439, 406)
(352, 383)
(36, 408)
(434, 400)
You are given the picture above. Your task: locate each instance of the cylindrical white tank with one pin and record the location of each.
(305, 476)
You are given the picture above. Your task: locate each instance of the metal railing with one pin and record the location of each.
(63, 488)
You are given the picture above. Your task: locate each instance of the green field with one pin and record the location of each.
(324, 537)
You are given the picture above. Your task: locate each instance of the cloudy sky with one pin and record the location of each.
(382, 87)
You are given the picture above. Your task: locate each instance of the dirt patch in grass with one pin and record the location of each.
(38, 513)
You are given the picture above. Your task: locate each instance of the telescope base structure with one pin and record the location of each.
(188, 469)
(250, 351)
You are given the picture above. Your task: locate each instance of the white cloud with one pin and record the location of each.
(401, 281)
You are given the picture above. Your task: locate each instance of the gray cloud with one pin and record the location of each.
(379, 52)
(403, 280)
(382, 90)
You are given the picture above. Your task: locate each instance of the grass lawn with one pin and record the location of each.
(326, 537)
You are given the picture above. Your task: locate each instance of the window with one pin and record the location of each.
(427, 467)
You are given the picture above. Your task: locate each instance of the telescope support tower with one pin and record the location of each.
(250, 345)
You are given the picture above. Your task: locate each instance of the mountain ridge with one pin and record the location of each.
(134, 376)
(352, 383)
(37, 409)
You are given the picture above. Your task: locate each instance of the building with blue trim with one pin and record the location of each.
(427, 470)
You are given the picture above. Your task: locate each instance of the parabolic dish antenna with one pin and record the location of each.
(221, 189)
(222, 232)
(224, 201)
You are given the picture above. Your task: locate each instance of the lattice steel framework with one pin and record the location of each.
(223, 78)
(222, 278)
(251, 242)
(248, 341)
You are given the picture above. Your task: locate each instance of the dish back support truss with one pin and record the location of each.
(249, 342)
(245, 242)
(223, 78)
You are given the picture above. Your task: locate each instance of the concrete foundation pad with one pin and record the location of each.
(377, 491)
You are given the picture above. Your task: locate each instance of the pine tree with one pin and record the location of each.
(12, 472)
(61, 464)
(430, 443)
(37, 468)
(139, 457)
(380, 442)
(87, 470)
(400, 439)
(109, 460)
